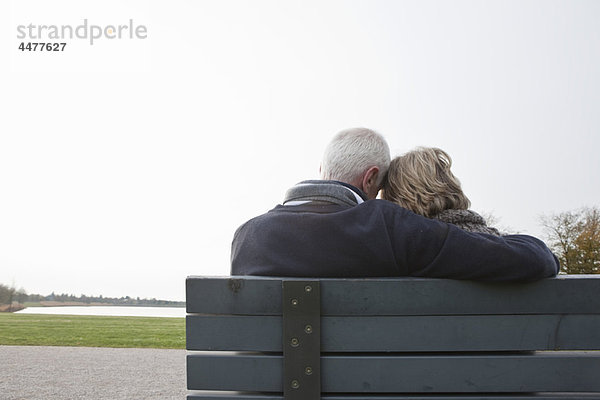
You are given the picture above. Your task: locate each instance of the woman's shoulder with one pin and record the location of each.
(468, 220)
(454, 215)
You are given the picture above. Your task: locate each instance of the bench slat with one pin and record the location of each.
(410, 374)
(403, 334)
(545, 396)
(400, 296)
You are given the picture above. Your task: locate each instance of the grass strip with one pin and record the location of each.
(91, 331)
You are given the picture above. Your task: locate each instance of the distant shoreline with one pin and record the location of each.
(11, 308)
(15, 307)
(50, 303)
(107, 310)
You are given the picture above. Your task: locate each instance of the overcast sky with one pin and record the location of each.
(127, 165)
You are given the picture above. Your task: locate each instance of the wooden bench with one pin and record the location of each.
(253, 338)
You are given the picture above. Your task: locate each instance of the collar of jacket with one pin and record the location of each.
(328, 191)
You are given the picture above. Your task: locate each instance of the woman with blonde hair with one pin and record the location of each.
(421, 181)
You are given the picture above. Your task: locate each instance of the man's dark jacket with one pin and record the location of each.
(380, 239)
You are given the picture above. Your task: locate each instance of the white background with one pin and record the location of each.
(127, 165)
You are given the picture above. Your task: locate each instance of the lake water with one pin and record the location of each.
(172, 312)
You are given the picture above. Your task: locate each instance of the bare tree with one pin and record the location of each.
(574, 236)
(7, 295)
(494, 221)
(4, 294)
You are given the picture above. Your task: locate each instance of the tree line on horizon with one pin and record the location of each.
(10, 295)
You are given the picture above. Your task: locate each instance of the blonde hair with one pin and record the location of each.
(421, 181)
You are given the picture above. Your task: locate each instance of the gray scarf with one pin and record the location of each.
(322, 191)
(466, 219)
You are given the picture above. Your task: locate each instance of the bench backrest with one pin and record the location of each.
(395, 338)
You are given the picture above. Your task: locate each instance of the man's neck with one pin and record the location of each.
(324, 191)
(354, 189)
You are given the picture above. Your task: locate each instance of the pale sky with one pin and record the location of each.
(127, 165)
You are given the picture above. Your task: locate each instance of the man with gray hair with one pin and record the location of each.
(335, 227)
(357, 156)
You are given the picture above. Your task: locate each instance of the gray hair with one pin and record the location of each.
(352, 152)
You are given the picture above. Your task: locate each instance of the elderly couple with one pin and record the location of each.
(422, 228)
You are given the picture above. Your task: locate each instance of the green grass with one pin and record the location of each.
(91, 331)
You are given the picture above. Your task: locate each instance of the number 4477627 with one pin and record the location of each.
(42, 46)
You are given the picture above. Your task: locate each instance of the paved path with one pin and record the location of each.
(32, 372)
